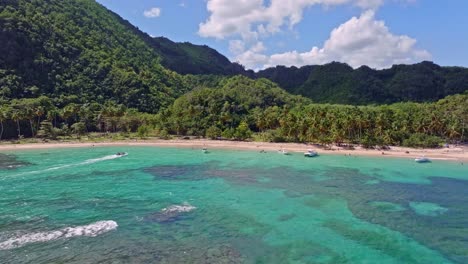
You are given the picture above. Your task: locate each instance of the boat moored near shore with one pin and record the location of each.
(284, 152)
(422, 160)
(310, 153)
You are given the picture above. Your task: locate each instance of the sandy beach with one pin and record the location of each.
(453, 153)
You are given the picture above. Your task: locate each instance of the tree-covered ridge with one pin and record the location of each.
(241, 108)
(260, 106)
(187, 58)
(223, 107)
(78, 51)
(340, 84)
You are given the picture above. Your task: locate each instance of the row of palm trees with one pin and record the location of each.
(383, 124)
(373, 125)
(27, 115)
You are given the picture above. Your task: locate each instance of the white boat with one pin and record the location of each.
(204, 150)
(283, 151)
(121, 154)
(422, 160)
(310, 153)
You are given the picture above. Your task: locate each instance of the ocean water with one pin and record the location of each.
(169, 205)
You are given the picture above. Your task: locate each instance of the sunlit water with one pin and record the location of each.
(167, 205)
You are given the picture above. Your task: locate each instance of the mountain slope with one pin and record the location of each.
(339, 83)
(78, 51)
(233, 101)
(187, 58)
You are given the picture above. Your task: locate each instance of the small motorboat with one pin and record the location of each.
(422, 159)
(310, 153)
(121, 154)
(205, 150)
(283, 151)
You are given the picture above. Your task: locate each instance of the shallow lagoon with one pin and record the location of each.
(182, 206)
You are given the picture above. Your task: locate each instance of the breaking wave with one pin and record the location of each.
(91, 230)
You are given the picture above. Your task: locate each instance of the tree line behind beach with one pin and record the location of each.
(73, 68)
(244, 109)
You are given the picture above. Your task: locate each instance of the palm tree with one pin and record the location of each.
(39, 113)
(17, 115)
(4, 113)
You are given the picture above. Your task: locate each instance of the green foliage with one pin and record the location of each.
(243, 131)
(79, 128)
(143, 131)
(272, 136)
(338, 83)
(164, 134)
(187, 58)
(368, 141)
(236, 98)
(420, 140)
(213, 132)
(70, 65)
(278, 117)
(46, 130)
(228, 133)
(79, 52)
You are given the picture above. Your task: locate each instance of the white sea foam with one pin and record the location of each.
(91, 230)
(184, 208)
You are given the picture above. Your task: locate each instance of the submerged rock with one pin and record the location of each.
(427, 209)
(177, 173)
(387, 206)
(170, 213)
(10, 162)
(286, 217)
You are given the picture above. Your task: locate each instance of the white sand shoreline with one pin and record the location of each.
(454, 153)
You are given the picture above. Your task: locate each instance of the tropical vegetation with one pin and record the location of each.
(72, 67)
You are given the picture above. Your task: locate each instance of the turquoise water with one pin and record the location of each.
(167, 205)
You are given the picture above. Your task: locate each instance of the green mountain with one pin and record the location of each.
(77, 51)
(339, 83)
(187, 58)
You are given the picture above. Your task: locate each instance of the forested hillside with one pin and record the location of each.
(242, 106)
(224, 107)
(187, 58)
(76, 51)
(69, 67)
(340, 84)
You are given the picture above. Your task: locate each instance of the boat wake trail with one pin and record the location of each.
(91, 161)
(91, 230)
(86, 162)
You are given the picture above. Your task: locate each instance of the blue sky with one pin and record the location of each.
(263, 33)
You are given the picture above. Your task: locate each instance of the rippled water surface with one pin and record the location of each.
(167, 205)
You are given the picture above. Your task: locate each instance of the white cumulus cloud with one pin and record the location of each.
(152, 12)
(359, 41)
(249, 18)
